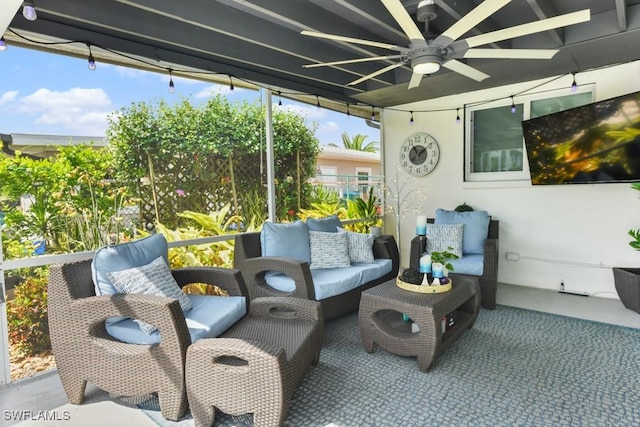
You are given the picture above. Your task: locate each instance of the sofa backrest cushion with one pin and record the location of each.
(328, 224)
(475, 231)
(290, 240)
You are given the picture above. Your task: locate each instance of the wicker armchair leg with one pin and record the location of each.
(204, 414)
(74, 387)
(173, 404)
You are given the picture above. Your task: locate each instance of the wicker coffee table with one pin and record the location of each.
(381, 318)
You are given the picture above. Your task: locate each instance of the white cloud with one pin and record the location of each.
(8, 97)
(306, 111)
(209, 91)
(330, 126)
(128, 72)
(79, 110)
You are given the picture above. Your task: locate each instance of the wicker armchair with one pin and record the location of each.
(85, 352)
(248, 258)
(489, 279)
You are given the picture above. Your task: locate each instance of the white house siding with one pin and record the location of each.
(563, 233)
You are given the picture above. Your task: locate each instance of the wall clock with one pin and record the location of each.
(419, 154)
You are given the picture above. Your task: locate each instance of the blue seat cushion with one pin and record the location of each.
(209, 317)
(334, 281)
(290, 240)
(475, 230)
(469, 264)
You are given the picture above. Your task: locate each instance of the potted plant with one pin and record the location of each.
(444, 258)
(627, 280)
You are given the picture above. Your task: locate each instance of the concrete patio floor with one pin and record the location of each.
(42, 395)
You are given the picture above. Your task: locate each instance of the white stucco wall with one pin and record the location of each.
(570, 233)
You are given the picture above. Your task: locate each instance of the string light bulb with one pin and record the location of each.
(3, 45)
(172, 87)
(348, 112)
(513, 105)
(574, 85)
(231, 87)
(29, 10)
(279, 99)
(457, 116)
(317, 102)
(373, 114)
(411, 119)
(91, 60)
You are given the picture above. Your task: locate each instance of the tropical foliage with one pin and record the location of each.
(358, 143)
(185, 157)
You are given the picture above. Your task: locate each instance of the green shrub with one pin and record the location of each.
(27, 315)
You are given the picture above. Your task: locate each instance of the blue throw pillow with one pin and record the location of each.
(475, 230)
(328, 224)
(289, 240)
(124, 256)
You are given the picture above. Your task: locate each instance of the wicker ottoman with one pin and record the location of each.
(381, 318)
(256, 365)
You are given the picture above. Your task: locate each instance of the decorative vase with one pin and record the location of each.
(627, 281)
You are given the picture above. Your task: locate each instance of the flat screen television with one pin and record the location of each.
(598, 142)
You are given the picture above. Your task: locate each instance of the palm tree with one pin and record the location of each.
(357, 143)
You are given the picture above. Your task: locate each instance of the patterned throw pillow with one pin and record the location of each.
(152, 279)
(441, 237)
(328, 250)
(360, 247)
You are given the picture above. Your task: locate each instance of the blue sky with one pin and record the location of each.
(44, 93)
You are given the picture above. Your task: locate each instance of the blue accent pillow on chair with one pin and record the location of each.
(289, 240)
(475, 230)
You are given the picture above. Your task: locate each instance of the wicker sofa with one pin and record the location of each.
(248, 259)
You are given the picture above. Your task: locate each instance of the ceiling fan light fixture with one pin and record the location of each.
(426, 68)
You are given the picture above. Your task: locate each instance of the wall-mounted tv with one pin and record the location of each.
(598, 142)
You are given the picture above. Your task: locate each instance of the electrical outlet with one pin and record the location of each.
(513, 256)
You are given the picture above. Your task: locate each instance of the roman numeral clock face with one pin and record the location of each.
(419, 154)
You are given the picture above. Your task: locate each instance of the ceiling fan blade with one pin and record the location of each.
(511, 53)
(376, 73)
(530, 28)
(353, 61)
(352, 40)
(465, 70)
(470, 20)
(402, 17)
(416, 78)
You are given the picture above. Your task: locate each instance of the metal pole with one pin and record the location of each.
(271, 188)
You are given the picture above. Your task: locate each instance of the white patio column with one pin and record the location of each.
(5, 368)
(271, 188)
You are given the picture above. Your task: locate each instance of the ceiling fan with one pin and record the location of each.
(427, 56)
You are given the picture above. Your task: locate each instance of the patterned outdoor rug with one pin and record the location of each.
(515, 367)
